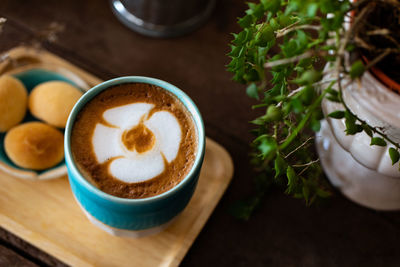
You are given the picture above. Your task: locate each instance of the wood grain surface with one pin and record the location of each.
(283, 231)
(10, 258)
(45, 214)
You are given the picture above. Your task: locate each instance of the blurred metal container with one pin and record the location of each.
(162, 18)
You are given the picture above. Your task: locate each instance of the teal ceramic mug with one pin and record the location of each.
(110, 212)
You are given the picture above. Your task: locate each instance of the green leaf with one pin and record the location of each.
(256, 9)
(242, 51)
(262, 52)
(292, 7)
(239, 77)
(322, 193)
(351, 126)
(327, 6)
(296, 105)
(239, 38)
(273, 113)
(332, 92)
(274, 24)
(337, 21)
(252, 91)
(287, 108)
(267, 147)
(259, 138)
(333, 98)
(338, 114)
(272, 5)
(280, 166)
(258, 121)
(367, 130)
(265, 36)
(231, 66)
(305, 63)
(302, 41)
(289, 48)
(249, 34)
(292, 179)
(234, 51)
(394, 155)
(246, 21)
(291, 175)
(309, 77)
(357, 69)
(318, 114)
(243, 37)
(315, 125)
(251, 76)
(312, 9)
(284, 20)
(377, 141)
(307, 95)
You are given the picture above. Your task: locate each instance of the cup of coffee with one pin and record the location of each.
(134, 147)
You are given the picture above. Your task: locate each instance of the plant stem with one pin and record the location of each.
(288, 60)
(303, 122)
(292, 93)
(300, 146)
(283, 32)
(306, 164)
(378, 58)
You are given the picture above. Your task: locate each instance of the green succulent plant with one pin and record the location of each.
(280, 55)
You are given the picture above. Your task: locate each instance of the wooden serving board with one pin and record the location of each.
(45, 213)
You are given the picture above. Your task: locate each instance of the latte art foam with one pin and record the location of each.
(134, 140)
(139, 145)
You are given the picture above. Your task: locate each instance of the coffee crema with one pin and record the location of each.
(134, 140)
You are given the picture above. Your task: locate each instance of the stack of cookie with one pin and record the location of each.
(35, 145)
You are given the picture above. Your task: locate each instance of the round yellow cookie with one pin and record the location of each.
(53, 101)
(34, 145)
(13, 102)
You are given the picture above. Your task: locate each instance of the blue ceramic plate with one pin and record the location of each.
(30, 78)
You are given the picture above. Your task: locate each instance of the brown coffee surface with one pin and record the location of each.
(139, 138)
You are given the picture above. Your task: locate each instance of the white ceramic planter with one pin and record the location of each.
(362, 172)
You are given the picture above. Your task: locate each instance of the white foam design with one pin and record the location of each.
(106, 143)
(127, 116)
(131, 166)
(169, 137)
(132, 169)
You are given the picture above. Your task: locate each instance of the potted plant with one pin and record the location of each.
(296, 55)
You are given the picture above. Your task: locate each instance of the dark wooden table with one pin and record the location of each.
(283, 232)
